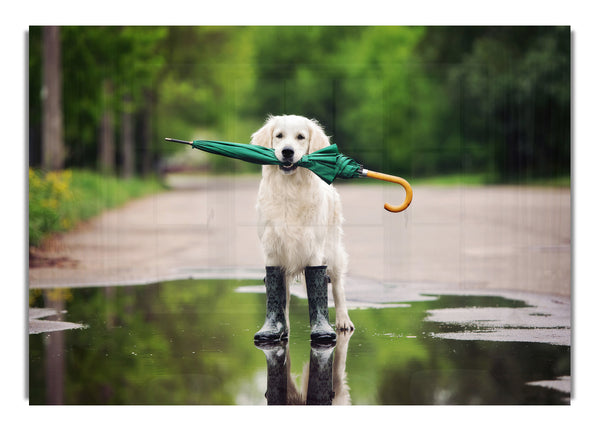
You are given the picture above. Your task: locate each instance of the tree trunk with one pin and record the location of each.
(147, 125)
(107, 139)
(127, 139)
(53, 152)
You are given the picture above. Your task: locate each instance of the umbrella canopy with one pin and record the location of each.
(328, 163)
(246, 152)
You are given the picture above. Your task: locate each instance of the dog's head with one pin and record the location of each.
(291, 136)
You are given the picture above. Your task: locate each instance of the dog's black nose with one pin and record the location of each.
(287, 153)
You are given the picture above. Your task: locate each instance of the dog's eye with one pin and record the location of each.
(300, 137)
(279, 135)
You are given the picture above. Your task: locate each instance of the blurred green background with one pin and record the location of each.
(471, 105)
(415, 101)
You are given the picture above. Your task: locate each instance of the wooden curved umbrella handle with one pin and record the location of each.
(397, 180)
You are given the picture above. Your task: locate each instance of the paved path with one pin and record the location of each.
(494, 238)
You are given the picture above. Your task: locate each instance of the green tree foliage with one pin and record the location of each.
(206, 84)
(510, 87)
(128, 57)
(427, 101)
(415, 101)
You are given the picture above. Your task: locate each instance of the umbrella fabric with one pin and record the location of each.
(327, 162)
(246, 152)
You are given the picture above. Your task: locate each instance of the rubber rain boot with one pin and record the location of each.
(276, 372)
(275, 327)
(321, 331)
(320, 378)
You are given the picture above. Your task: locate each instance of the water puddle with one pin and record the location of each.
(191, 342)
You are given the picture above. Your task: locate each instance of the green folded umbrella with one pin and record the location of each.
(327, 163)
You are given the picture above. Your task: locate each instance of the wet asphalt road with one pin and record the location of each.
(459, 238)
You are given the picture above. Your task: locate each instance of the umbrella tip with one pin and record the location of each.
(179, 141)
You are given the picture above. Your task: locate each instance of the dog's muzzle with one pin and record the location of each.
(288, 160)
(287, 168)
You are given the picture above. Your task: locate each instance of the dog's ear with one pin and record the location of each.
(263, 135)
(318, 138)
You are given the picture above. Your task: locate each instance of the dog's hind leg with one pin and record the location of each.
(342, 319)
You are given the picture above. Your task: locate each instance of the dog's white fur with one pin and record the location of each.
(299, 215)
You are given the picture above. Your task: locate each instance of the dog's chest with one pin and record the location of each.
(291, 234)
(290, 212)
(292, 218)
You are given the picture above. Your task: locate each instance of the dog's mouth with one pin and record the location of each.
(287, 168)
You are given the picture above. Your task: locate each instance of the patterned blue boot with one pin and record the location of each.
(321, 331)
(275, 327)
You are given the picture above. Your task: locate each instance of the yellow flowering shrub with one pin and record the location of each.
(58, 200)
(50, 196)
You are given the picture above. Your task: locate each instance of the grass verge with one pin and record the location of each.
(59, 200)
(484, 179)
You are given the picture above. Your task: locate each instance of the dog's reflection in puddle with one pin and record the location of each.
(323, 379)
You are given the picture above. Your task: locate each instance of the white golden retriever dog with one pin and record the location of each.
(299, 215)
